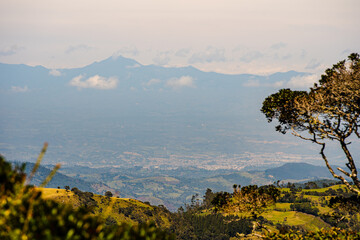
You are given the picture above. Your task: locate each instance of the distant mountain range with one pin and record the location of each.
(123, 84)
(298, 171)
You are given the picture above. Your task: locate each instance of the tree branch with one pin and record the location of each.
(343, 180)
(344, 172)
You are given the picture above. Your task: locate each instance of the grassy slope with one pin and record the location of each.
(281, 212)
(292, 218)
(118, 209)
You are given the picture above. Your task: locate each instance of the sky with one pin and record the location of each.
(229, 36)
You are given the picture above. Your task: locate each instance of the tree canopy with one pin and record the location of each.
(330, 110)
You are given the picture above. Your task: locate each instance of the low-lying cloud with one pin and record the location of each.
(273, 142)
(278, 45)
(161, 60)
(302, 81)
(184, 81)
(76, 48)
(211, 54)
(97, 82)
(18, 89)
(128, 51)
(10, 50)
(183, 52)
(313, 64)
(153, 81)
(251, 56)
(55, 73)
(297, 82)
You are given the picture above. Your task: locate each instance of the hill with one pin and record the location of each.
(113, 210)
(61, 180)
(298, 171)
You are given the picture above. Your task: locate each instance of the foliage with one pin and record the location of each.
(251, 199)
(191, 225)
(208, 198)
(24, 214)
(108, 194)
(86, 199)
(334, 233)
(346, 209)
(290, 197)
(220, 200)
(349, 205)
(304, 207)
(329, 111)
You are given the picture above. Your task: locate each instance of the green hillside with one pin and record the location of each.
(111, 209)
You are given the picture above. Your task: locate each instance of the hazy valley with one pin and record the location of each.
(152, 117)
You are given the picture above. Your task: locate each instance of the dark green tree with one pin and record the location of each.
(108, 194)
(330, 110)
(208, 197)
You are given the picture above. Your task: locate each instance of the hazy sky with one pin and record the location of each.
(229, 36)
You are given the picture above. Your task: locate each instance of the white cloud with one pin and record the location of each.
(252, 83)
(313, 64)
(127, 51)
(278, 45)
(10, 50)
(19, 89)
(211, 54)
(136, 65)
(162, 58)
(55, 73)
(153, 82)
(182, 52)
(298, 82)
(273, 142)
(256, 83)
(72, 49)
(251, 56)
(302, 81)
(96, 82)
(278, 84)
(184, 81)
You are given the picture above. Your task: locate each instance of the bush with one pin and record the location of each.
(188, 225)
(334, 233)
(304, 207)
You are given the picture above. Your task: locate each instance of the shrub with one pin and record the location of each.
(334, 233)
(304, 207)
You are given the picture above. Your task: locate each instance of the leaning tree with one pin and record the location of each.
(330, 110)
